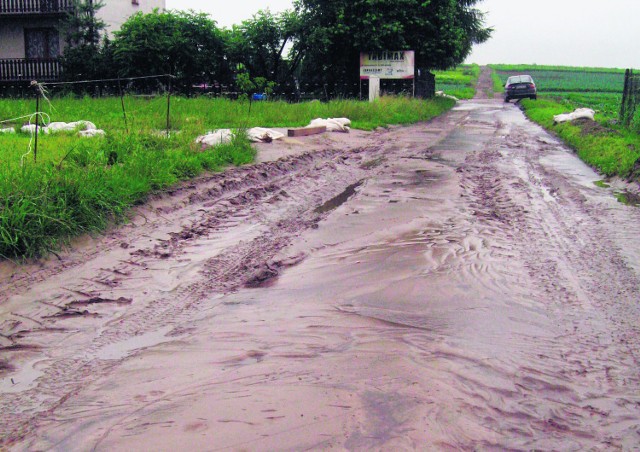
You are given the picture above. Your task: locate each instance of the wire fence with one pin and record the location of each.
(44, 91)
(158, 85)
(164, 85)
(630, 98)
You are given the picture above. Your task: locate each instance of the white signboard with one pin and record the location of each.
(387, 64)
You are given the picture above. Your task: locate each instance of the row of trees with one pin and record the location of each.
(318, 42)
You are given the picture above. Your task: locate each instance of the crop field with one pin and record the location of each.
(80, 185)
(597, 88)
(459, 82)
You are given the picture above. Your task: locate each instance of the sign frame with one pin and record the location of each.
(397, 64)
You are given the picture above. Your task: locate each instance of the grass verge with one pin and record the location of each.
(81, 186)
(613, 151)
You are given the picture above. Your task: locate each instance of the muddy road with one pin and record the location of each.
(457, 284)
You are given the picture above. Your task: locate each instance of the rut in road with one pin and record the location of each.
(578, 272)
(211, 237)
(472, 289)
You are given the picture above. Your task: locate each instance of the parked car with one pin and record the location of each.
(520, 87)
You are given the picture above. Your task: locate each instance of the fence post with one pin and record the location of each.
(634, 96)
(124, 111)
(35, 143)
(625, 93)
(169, 107)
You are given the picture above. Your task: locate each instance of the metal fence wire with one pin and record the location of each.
(157, 85)
(630, 97)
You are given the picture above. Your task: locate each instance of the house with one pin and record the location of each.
(30, 42)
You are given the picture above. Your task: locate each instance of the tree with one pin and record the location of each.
(83, 56)
(334, 32)
(187, 45)
(260, 44)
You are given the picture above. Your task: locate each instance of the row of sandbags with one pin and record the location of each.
(263, 135)
(84, 128)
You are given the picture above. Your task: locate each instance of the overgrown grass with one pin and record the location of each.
(498, 83)
(81, 185)
(459, 82)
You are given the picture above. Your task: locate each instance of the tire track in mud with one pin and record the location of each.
(205, 238)
(575, 390)
(279, 197)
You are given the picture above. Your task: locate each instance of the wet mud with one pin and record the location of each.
(459, 284)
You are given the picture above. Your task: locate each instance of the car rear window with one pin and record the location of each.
(519, 79)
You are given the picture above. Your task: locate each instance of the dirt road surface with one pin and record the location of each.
(459, 284)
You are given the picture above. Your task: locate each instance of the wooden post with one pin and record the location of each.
(35, 144)
(625, 98)
(124, 111)
(634, 96)
(169, 108)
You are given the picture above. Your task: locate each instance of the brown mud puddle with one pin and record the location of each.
(339, 199)
(472, 289)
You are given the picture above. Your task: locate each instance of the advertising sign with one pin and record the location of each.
(387, 64)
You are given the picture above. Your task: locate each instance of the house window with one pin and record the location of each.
(41, 43)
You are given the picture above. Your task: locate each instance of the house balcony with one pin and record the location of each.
(35, 7)
(25, 70)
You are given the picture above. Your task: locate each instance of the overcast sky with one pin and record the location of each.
(604, 33)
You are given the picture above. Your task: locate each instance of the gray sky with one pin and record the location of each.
(568, 32)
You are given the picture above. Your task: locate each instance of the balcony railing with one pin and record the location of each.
(15, 7)
(16, 70)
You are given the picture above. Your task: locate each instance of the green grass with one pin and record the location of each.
(81, 185)
(601, 184)
(498, 82)
(613, 151)
(459, 82)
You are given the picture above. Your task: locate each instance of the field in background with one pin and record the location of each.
(459, 82)
(80, 185)
(610, 148)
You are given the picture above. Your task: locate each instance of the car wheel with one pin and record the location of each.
(507, 99)
(534, 97)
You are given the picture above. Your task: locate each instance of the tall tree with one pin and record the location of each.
(441, 32)
(187, 45)
(262, 42)
(83, 55)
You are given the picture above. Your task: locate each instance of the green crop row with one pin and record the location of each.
(578, 81)
(459, 82)
(535, 67)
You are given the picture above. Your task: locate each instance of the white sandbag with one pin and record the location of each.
(215, 138)
(55, 127)
(579, 113)
(446, 96)
(332, 124)
(90, 133)
(8, 130)
(60, 126)
(262, 135)
(31, 128)
(343, 121)
(83, 125)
